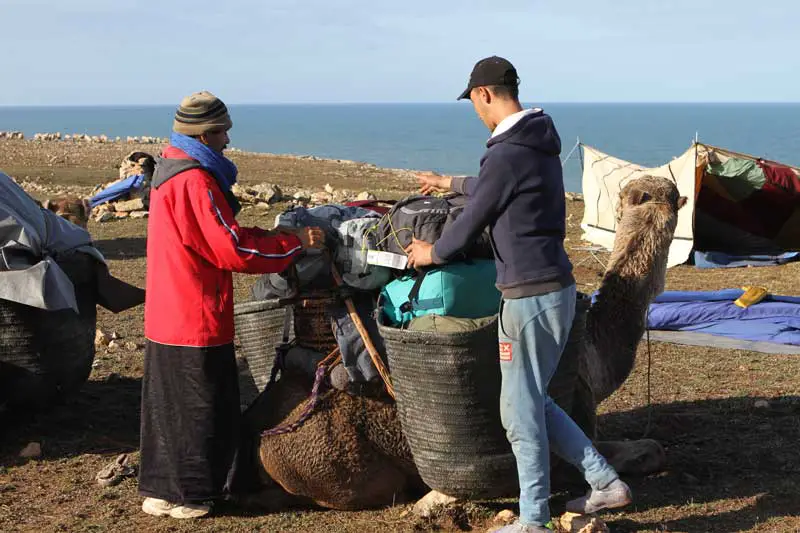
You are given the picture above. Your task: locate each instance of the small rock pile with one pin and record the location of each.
(84, 137)
(573, 196)
(47, 136)
(265, 195)
(145, 140)
(107, 212)
(135, 204)
(12, 135)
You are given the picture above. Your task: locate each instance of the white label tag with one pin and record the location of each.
(387, 259)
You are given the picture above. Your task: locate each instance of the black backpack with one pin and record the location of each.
(426, 217)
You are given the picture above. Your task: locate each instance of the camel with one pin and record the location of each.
(351, 453)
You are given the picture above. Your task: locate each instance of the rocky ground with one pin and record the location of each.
(728, 418)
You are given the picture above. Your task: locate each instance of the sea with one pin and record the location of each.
(449, 137)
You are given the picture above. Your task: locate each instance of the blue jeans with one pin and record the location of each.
(533, 333)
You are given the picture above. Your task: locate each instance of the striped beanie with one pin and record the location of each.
(199, 113)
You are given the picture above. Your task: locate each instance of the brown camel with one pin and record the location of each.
(351, 454)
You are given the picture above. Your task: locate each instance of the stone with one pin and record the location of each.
(139, 214)
(121, 214)
(137, 204)
(761, 404)
(506, 516)
(578, 523)
(329, 188)
(100, 339)
(320, 198)
(366, 195)
(267, 192)
(105, 216)
(112, 347)
(33, 449)
(573, 196)
(131, 346)
(426, 506)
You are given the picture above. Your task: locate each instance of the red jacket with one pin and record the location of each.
(193, 245)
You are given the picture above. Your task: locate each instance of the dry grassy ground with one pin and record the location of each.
(731, 466)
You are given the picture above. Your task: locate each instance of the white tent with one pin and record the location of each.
(603, 178)
(733, 205)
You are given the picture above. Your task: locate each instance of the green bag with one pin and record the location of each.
(462, 290)
(448, 324)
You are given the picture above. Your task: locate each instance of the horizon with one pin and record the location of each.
(442, 102)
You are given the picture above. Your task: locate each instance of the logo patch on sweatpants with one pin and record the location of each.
(505, 351)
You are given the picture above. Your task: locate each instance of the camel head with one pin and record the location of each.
(648, 193)
(74, 209)
(647, 215)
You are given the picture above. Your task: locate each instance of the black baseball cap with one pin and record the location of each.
(491, 71)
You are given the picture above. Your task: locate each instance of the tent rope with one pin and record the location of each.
(647, 426)
(569, 155)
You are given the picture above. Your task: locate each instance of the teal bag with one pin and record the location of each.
(462, 290)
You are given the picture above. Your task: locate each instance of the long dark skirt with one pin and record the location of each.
(190, 422)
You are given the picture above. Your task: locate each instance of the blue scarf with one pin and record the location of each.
(222, 168)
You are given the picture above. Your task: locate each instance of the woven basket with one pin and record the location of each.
(312, 322)
(259, 328)
(448, 390)
(47, 354)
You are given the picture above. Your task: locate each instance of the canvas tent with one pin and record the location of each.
(737, 203)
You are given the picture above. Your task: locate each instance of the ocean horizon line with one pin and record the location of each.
(444, 102)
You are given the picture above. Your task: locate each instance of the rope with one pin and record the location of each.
(577, 144)
(322, 369)
(649, 396)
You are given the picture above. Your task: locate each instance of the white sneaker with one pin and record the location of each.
(157, 507)
(616, 494)
(190, 511)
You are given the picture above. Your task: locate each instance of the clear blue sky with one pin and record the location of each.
(83, 52)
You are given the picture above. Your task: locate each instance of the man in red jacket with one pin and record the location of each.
(190, 393)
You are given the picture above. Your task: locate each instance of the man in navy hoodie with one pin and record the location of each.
(519, 194)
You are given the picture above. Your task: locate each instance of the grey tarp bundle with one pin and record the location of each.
(30, 237)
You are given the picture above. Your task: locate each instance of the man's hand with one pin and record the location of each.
(430, 182)
(420, 253)
(311, 237)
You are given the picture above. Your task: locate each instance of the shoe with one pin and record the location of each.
(519, 527)
(190, 510)
(157, 507)
(114, 472)
(616, 494)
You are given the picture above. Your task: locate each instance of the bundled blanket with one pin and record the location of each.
(774, 319)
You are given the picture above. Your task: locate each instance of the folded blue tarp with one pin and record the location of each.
(117, 191)
(774, 319)
(723, 260)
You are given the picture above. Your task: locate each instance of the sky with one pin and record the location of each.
(132, 52)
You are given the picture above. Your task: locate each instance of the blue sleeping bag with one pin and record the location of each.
(462, 290)
(117, 191)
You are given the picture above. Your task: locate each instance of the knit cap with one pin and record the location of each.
(199, 113)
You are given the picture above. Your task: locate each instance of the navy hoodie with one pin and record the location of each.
(519, 194)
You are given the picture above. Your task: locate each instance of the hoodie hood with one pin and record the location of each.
(168, 168)
(534, 130)
(173, 162)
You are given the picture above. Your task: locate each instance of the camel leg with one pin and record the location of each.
(638, 457)
(430, 502)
